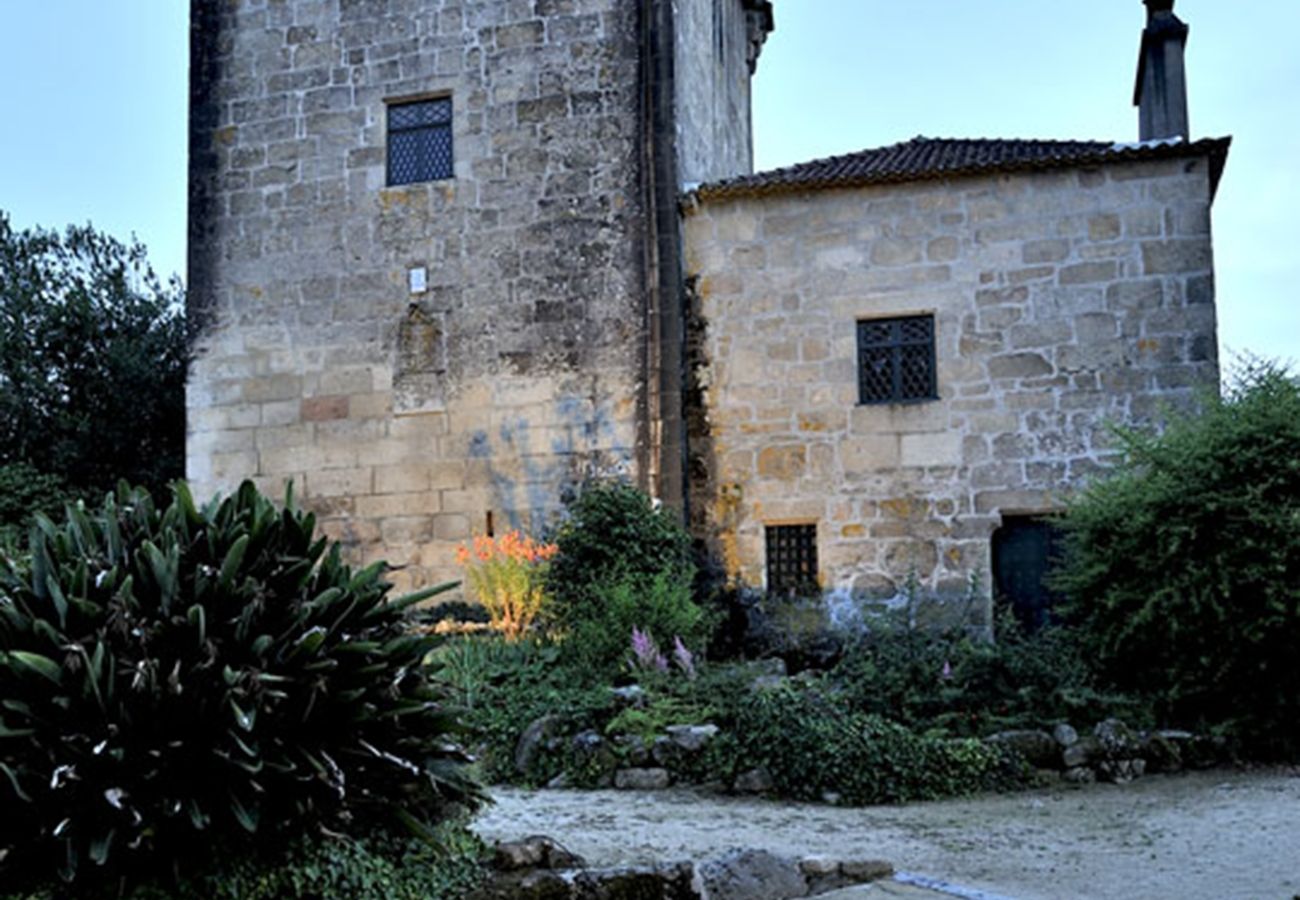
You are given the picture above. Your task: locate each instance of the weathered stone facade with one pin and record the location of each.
(1062, 300)
(411, 415)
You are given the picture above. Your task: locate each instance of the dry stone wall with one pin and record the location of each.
(1062, 301)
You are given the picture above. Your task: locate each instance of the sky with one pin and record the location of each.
(93, 96)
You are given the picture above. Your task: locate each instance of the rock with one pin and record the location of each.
(1082, 752)
(532, 885)
(538, 736)
(831, 798)
(635, 753)
(754, 781)
(1065, 735)
(1079, 775)
(1162, 753)
(662, 882)
(642, 779)
(535, 852)
(767, 682)
(751, 875)
(1117, 740)
(1037, 748)
(691, 738)
(862, 870)
(632, 695)
(560, 782)
(825, 874)
(666, 753)
(1121, 771)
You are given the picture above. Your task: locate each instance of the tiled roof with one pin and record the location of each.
(924, 159)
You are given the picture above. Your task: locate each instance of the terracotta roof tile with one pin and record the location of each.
(923, 159)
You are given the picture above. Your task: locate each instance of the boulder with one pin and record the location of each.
(642, 779)
(824, 873)
(538, 736)
(661, 882)
(753, 781)
(633, 749)
(1079, 775)
(1037, 748)
(1065, 735)
(535, 852)
(631, 695)
(751, 875)
(1161, 752)
(1121, 771)
(1117, 740)
(1082, 752)
(691, 738)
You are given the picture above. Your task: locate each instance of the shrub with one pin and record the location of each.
(171, 678)
(1183, 568)
(508, 576)
(92, 360)
(813, 744)
(622, 564)
(26, 491)
(950, 683)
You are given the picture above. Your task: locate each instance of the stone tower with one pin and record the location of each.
(435, 250)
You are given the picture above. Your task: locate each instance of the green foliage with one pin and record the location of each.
(622, 563)
(378, 866)
(1183, 569)
(171, 678)
(813, 744)
(649, 721)
(661, 606)
(951, 683)
(92, 360)
(26, 491)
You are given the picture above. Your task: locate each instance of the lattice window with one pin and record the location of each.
(792, 558)
(419, 141)
(896, 360)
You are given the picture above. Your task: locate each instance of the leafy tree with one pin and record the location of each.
(92, 360)
(1183, 569)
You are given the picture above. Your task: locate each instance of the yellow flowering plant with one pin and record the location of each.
(507, 575)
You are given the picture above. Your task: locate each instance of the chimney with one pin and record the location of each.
(1161, 91)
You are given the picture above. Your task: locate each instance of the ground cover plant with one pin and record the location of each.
(1183, 569)
(182, 677)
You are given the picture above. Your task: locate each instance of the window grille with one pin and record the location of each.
(792, 558)
(419, 141)
(896, 360)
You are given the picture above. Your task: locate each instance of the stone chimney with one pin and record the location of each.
(1161, 91)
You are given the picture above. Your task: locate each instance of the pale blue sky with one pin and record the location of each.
(93, 93)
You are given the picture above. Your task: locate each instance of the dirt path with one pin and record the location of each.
(1202, 836)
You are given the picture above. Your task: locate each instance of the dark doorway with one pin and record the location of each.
(1024, 549)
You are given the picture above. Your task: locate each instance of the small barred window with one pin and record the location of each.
(792, 559)
(419, 141)
(896, 360)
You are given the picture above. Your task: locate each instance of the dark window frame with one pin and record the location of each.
(902, 344)
(791, 558)
(426, 123)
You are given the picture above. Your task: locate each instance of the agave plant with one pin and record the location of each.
(172, 677)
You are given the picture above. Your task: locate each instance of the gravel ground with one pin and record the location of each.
(1201, 836)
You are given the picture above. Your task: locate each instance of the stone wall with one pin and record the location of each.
(715, 41)
(532, 356)
(1062, 301)
(407, 419)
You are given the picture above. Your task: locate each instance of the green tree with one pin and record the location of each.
(1183, 569)
(92, 360)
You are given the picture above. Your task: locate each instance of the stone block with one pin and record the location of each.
(1088, 272)
(785, 462)
(932, 449)
(1019, 365)
(406, 478)
(1045, 251)
(322, 409)
(1176, 257)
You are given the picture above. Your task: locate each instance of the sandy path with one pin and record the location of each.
(1202, 836)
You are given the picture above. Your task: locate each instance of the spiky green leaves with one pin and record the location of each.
(168, 676)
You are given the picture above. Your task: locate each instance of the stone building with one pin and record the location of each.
(452, 257)
(435, 255)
